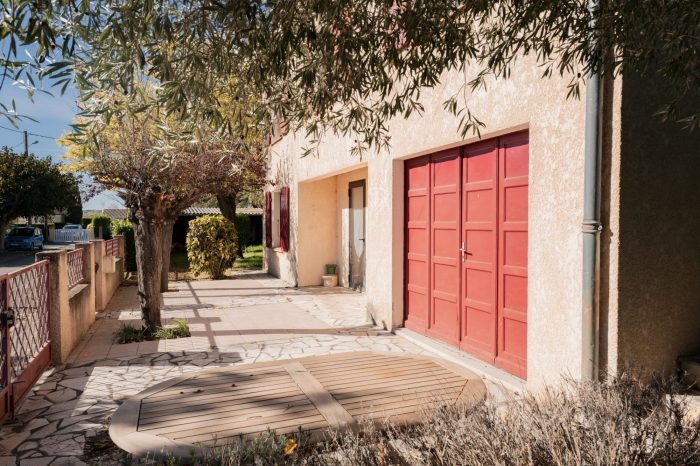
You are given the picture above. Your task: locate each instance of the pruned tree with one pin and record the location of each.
(159, 167)
(32, 186)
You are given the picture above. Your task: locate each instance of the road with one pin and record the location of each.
(13, 260)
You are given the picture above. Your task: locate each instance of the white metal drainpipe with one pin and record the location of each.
(591, 226)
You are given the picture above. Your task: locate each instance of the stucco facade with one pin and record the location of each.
(319, 232)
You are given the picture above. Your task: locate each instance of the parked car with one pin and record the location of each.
(72, 226)
(28, 238)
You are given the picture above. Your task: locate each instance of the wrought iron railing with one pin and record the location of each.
(25, 350)
(112, 247)
(76, 269)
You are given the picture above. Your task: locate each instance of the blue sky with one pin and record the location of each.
(53, 115)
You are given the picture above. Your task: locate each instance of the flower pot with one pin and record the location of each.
(330, 280)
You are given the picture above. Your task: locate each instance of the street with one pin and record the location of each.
(13, 260)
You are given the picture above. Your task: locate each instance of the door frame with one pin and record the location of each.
(356, 184)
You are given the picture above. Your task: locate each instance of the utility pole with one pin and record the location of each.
(26, 145)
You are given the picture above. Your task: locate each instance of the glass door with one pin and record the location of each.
(357, 234)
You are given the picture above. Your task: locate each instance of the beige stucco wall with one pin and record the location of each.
(657, 312)
(316, 246)
(556, 128)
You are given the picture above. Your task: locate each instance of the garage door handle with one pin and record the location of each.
(463, 251)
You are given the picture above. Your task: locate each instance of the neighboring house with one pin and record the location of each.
(182, 224)
(477, 242)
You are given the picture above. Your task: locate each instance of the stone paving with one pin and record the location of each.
(250, 319)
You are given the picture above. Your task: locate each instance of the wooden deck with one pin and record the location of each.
(216, 406)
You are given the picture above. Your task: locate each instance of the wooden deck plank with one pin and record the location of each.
(241, 429)
(319, 396)
(230, 392)
(216, 415)
(227, 404)
(220, 383)
(202, 404)
(360, 372)
(385, 375)
(223, 410)
(435, 378)
(407, 394)
(257, 418)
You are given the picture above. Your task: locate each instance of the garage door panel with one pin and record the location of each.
(418, 207)
(515, 204)
(479, 203)
(417, 265)
(515, 244)
(444, 238)
(512, 254)
(479, 234)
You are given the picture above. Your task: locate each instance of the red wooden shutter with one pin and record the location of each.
(284, 219)
(268, 219)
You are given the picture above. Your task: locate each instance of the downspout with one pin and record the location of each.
(591, 226)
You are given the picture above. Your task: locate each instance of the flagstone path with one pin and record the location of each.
(253, 318)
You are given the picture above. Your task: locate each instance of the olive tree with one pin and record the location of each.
(159, 167)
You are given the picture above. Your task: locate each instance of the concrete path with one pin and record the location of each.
(251, 319)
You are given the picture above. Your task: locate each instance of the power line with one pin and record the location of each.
(30, 134)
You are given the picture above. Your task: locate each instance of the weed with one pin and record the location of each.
(180, 329)
(127, 333)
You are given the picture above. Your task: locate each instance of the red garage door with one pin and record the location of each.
(466, 249)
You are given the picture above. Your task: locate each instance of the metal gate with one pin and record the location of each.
(25, 350)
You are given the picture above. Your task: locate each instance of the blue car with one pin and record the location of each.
(28, 238)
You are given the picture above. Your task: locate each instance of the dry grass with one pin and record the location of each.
(622, 422)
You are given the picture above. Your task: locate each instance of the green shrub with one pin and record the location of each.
(86, 222)
(103, 221)
(125, 227)
(212, 245)
(244, 229)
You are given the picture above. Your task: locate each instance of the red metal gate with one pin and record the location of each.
(466, 249)
(25, 350)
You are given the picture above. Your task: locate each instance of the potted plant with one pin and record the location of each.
(330, 278)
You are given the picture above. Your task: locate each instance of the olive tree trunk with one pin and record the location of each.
(148, 236)
(227, 205)
(166, 245)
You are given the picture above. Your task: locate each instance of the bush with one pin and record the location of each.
(212, 245)
(244, 229)
(125, 227)
(85, 222)
(103, 221)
